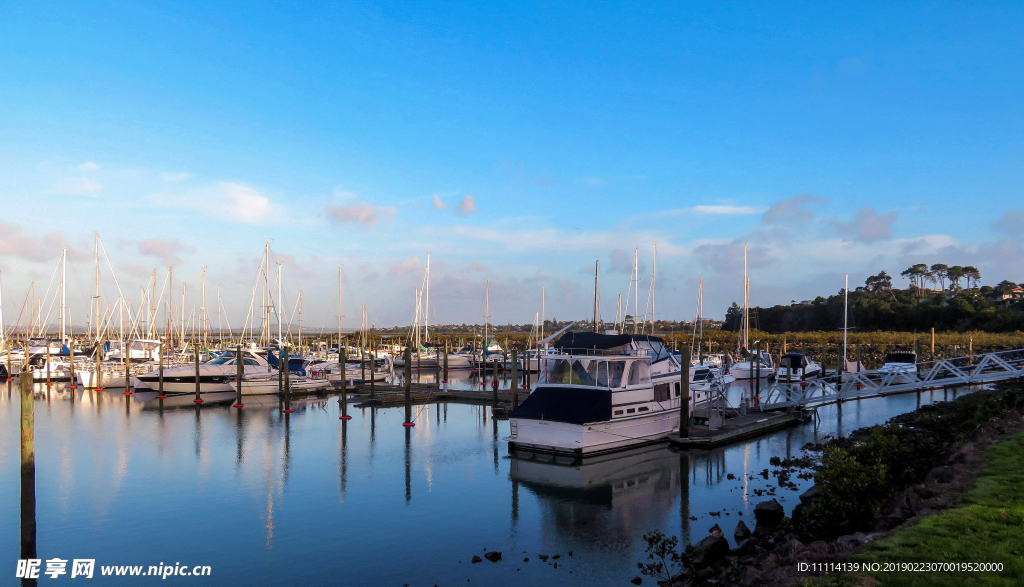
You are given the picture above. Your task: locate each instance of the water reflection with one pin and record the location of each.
(252, 490)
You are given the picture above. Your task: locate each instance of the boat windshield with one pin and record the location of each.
(222, 361)
(587, 372)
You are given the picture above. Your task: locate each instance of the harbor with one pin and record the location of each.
(254, 491)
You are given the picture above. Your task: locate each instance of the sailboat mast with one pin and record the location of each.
(202, 324)
(487, 314)
(426, 313)
(636, 288)
(654, 281)
(596, 264)
(63, 295)
(846, 309)
(746, 301)
(96, 286)
(339, 311)
(542, 296)
(277, 306)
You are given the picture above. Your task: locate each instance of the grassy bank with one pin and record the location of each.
(987, 528)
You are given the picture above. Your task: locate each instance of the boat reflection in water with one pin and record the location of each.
(605, 499)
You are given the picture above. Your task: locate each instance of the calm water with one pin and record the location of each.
(304, 499)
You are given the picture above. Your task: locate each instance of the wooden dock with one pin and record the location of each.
(736, 429)
(394, 395)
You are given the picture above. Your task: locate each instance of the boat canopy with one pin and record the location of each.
(901, 357)
(566, 404)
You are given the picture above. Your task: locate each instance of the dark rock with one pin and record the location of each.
(749, 575)
(556, 557)
(958, 458)
(637, 580)
(710, 550)
(526, 560)
(768, 514)
(741, 533)
(940, 475)
(476, 559)
(808, 495)
(851, 541)
(543, 557)
(730, 476)
(493, 556)
(924, 493)
(570, 553)
(716, 531)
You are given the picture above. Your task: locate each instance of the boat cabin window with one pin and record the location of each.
(901, 358)
(639, 372)
(250, 362)
(588, 372)
(222, 361)
(793, 361)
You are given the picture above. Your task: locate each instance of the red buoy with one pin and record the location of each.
(237, 406)
(72, 387)
(197, 401)
(127, 393)
(99, 389)
(161, 397)
(409, 424)
(289, 411)
(345, 418)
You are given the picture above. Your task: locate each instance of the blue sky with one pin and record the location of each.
(833, 139)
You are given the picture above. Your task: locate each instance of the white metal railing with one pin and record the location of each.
(953, 372)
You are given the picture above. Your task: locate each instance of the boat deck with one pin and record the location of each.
(735, 429)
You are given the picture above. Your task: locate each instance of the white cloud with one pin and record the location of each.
(90, 166)
(792, 210)
(229, 200)
(867, 225)
(438, 204)
(360, 212)
(166, 251)
(466, 206)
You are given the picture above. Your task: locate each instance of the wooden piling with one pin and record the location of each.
(408, 387)
(757, 371)
(28, 467)
(684, 392)
(445, 386)
(494, 384)
(288, 382)
(98, 383)
(48, 382)
(239, 375)
(515, 380)
(127, 377)
(195, 353)
(160, 376)
(343, 400)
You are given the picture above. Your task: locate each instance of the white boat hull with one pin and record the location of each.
(590, 439)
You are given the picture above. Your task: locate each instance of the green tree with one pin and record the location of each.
(918, 275)
(955, 274)
(972, 273)
(939, 269)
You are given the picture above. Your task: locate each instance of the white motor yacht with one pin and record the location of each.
(899, 367)
(217, 375)
(598, 393)
(748, 369)
(797, 367)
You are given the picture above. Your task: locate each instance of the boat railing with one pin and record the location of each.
(591, 352)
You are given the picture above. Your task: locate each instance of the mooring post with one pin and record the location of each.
(195, 352)
(28, 467)
(933, 344)
(280, 372)
(515, 379)
(445, 387)
(408, 387)
(343, 400)
(757, 371)
(494, 384)
(160, 374)
(127, 377)
(48, 382)
(239, 374)
(856, 347)
(288, 381)
(71, 363)
(684, 392)
(804, 361)
(98, 384)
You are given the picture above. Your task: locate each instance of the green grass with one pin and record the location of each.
(987, 527)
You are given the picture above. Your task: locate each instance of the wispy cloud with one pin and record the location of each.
(1011, 222)
(90, 166)
(792, 210)
(438, 204)
(360, 212)
(166, 251)
(867, 225)
(466, 206)
(227, 200)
